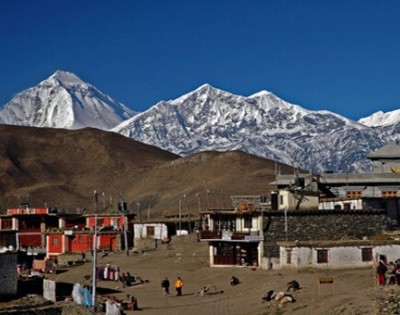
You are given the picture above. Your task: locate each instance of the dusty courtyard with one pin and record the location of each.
(352, 291)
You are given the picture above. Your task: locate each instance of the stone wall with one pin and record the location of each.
(321, 225)
(9, 276)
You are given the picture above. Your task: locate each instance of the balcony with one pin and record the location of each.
(231, 236)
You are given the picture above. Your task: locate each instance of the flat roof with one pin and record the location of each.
(337, 243)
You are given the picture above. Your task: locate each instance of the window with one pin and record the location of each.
(322, 256)
(248, 221)
(150, 230)
(354, 194)
(6, 224)
(366, 254)
(389, 194)
(224, 249)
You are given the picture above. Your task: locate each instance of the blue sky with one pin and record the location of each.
(342, 56)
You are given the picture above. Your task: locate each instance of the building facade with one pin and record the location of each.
(45, 232)
(235, 236)
(336, 254)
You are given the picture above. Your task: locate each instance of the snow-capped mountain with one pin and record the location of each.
(262, 124)
(64, 101)
(209, 119)
(380, 119)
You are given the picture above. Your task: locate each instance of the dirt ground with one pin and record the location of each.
(352, 291)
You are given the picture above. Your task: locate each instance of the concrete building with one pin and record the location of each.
(379, 189)
(336, 254)
(235, 235)
(158, 231)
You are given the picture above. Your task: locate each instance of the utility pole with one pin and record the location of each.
(180, 216)
(96, 202)
(125, 225)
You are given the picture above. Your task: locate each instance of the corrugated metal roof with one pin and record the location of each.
(389, 188)
(354, 188)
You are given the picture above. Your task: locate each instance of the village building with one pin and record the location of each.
(379, 189)
(321, 212)
(46, 233)
(337, 254)
(28, 226)
(156, 231)
(235, 235)
(311, 218)
(75, 234)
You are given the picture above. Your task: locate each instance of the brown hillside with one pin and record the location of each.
(62, 168)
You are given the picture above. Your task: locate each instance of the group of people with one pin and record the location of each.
(107, 272)
(282, 297)
(112, 305)
(382, 268)
(165, 284)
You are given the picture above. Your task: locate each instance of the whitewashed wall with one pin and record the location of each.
(309, 202)
(160, 230)
(338, 257)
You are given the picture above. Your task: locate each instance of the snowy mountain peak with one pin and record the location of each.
(64, 101)
(66, 77)
(204, 90)
(381, 119)
(260, 94)
(67, 80)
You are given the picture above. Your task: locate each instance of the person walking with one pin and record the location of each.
(178, 286)
(165, 286)
(381, 273)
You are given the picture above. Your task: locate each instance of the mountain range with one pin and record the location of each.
(210, 119)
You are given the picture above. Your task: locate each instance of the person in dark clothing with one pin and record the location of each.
(165, 286)
(128, 279)
(234, 281)
(269, 296)
(293, 285)
(381, 273)
(133, 303)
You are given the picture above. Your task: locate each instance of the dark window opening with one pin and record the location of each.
(322, 256)
(288, 256)
(366, 254)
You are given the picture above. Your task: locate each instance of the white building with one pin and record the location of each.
(235, 235)
(336, 254)
(158, 231)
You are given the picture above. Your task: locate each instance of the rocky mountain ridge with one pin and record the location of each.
(210, 119)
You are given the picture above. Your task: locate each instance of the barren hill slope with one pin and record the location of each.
(62, 168)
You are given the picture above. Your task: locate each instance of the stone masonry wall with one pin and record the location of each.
(8, 267)
(321, 225)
